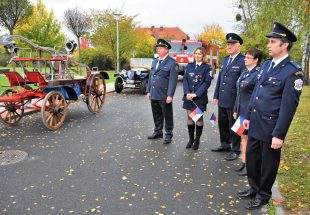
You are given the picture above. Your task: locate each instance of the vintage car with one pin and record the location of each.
(135, 78)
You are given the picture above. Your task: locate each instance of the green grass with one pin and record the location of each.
(111, 77)
(271, 209)
(294, 171)
(4, 82)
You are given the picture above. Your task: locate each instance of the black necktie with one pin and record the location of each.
(270, 67)
(229, 62)
(159, 62)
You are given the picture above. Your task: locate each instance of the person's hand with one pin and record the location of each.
(148, 96)
(189, 96)
(168, 99)
(215, 101)
(276, 143)
(235, 115)
(246, 124)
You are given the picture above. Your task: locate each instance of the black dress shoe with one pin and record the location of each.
(239, 169)
(155, 136)
(231, 156)
(221, 149)
(256, 203)
(243, 172)
(246, 194)
(167, 140)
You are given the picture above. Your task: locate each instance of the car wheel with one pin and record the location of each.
(119, 85)
(143, 87)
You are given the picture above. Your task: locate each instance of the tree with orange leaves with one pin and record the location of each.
(214, 34)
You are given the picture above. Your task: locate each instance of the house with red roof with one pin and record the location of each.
(167, 33)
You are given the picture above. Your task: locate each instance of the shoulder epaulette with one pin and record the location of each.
(296, 65)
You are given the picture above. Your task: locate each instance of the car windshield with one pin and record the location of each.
(177, 47)
(192, 47)
(141, 69)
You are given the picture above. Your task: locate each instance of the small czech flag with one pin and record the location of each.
(196, 114)
(213, 119)
(238, 126)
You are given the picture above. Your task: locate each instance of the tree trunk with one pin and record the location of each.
(305, 58)
(79, 50)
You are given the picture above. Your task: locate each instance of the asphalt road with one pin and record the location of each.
(104, 164)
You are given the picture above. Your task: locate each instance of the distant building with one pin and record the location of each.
(167, 33)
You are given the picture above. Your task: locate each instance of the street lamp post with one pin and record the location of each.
(117, 15)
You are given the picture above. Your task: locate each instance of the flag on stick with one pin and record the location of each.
(238, 126)
(196, 114)
(213, 119)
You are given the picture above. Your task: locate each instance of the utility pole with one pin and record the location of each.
(117, 15)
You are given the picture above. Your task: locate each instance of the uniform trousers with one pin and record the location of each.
(227, 136)
(162, 113)
(262, 163)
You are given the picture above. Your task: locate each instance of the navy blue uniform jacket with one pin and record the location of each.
(196, 81)
(226, 90)
(163, 80)
(245, 87)
(274, 100)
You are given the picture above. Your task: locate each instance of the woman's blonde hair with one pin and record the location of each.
(203, 51)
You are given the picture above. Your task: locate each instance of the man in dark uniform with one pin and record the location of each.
(225, 96)
(270, 112)
(160, 90)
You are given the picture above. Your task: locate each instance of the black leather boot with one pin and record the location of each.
(197, 139)
(191, 132)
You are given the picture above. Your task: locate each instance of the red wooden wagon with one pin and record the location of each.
(31, 90)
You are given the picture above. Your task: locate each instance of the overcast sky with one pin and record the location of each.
(190, 16)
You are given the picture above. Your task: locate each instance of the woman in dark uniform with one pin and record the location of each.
(245, 87)
(196, 82)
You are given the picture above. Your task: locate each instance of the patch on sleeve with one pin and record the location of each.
(298, 84)
(299, 73)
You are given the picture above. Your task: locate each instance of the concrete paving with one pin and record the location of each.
(104, 164)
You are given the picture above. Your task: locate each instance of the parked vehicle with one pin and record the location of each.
(135, 78)
(182, 52)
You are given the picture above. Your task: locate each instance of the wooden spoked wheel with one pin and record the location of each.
(11, 112)
(54, 110)
(95, 94)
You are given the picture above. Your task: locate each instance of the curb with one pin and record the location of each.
(110, 89)
(278, 198)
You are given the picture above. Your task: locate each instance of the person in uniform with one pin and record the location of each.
(160, 90)
(245, 87)
(196, 81)
(225, 95)
(270, 113)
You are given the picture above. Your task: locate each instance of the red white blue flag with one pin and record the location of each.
(213, 119)
(238, 126)
(196, 114)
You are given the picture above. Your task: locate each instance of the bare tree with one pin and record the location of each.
(12, 12)
(78, 22)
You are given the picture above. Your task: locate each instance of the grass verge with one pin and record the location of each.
(111, 77)
(294, 171)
